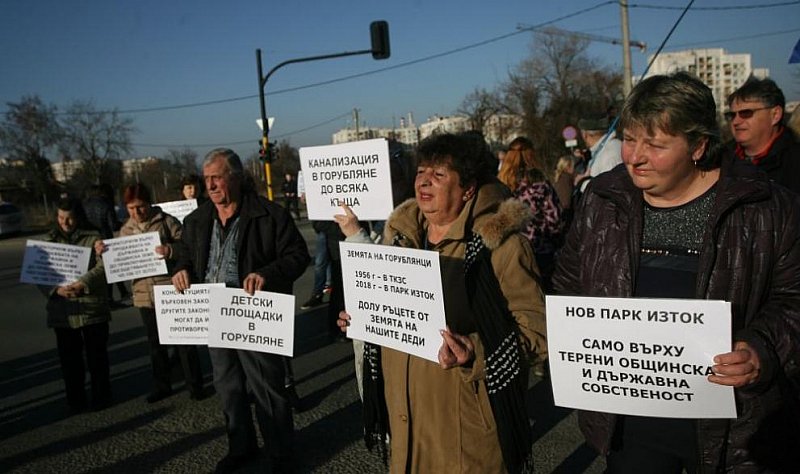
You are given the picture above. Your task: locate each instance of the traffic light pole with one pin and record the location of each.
(379, 34)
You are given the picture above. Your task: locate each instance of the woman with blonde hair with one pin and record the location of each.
(528, 183)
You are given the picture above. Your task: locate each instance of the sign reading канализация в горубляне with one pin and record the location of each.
(639, 356)
(356, 174)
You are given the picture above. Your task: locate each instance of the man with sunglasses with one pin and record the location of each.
(756, 116)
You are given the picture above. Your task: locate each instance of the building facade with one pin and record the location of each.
(721, 71)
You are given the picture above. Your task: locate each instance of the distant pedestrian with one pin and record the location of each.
(192, 188)
(79, 314)
(100, 212)
(290, 199)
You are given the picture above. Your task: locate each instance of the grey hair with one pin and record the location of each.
(232, 160)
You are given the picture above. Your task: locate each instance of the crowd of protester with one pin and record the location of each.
(656, 206)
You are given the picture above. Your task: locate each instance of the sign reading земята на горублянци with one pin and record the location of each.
(394, 297)
(639, 356)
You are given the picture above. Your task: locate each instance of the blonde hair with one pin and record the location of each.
(566, 164)
(519, 158)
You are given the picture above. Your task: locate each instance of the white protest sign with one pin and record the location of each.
(179, 209)
(394, 297)
(182, 318)
(263, 322)
(645, 357)
(132, 257)
(301, 184)
(52, 264)
(355, 173)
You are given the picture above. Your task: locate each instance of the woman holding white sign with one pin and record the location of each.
(467, 413)
(144, 218)
(79, 314)
(680, 220)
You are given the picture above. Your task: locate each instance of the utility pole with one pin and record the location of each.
(627, 74)
(355, 119)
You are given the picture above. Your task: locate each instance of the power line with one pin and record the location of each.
(732, 7)
(736, 38)
(357, 75)
(240, 142)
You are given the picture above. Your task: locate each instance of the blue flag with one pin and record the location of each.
(795, 57)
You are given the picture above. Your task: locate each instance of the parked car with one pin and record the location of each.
(10, 219)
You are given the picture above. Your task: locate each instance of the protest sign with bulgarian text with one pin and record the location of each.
(394, 297)
(639, 356)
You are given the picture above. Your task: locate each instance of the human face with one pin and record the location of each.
(660, 164)
(139, 210)
(66, 221)
(189, 191)
(439, 193)
(221, 186)
(754, 133)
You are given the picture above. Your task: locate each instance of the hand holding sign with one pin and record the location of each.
(348, 221)
(456, 350)
(738, 368)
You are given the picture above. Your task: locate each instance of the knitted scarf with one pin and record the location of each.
(504, 368)
(504, 362)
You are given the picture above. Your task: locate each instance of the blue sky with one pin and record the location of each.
(145, 54)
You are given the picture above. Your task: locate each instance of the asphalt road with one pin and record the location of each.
(38, 435)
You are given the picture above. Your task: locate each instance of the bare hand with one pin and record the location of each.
(181, 281)
(163, 251)
(348, 221)
(738, 368)
(343, 321)
(456, 350)
(72, 290)
(252, 283)
(99, 247)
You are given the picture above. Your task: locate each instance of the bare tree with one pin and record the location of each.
(480, 106)
(184, 162)
(94, 137)
(558, 84)
(28, 134)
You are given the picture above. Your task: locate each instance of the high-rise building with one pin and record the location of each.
(721, 71)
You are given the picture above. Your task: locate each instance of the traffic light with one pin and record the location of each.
(379, 34)
(269, 155)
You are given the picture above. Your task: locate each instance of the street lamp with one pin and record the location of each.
(379, 36)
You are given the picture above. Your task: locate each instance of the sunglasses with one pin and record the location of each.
(744, 113)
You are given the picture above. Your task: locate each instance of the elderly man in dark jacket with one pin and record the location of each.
(672, 223)
(244, 241)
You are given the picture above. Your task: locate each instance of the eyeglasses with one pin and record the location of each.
(744, 113)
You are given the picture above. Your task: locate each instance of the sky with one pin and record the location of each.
(136, 56)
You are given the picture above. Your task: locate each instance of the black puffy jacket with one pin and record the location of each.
(750, 258)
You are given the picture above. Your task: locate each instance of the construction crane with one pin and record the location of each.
(552, 30)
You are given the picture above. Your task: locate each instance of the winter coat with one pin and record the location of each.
(545, 228)
(89, 308)
(169, 231)
(750, 257)
(441, 420)
(782, 162)
(269, 243)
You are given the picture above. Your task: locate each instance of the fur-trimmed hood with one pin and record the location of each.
(492, 213)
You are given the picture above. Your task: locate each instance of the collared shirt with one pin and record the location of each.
(223, 258)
